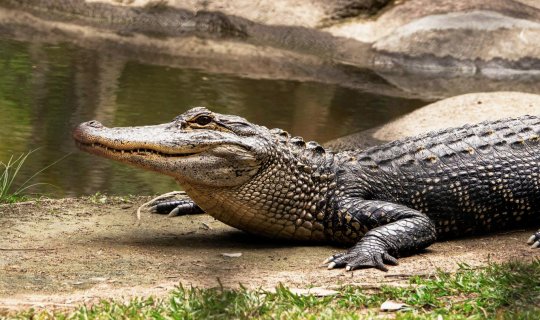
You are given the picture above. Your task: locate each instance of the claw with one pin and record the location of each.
(153, 209)
(163, 196)
(531, 239)
(379, 263)
(174, 212)
(381, 267)
(536, 244)
(355, 259)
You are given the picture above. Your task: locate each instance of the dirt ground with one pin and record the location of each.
(60, 253)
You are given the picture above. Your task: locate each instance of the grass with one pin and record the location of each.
(505, 291)
(10, 170)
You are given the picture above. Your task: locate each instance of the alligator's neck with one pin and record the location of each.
(288, 198)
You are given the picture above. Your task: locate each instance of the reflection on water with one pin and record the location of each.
(45, 90)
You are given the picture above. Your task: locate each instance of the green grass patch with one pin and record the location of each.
(506, 291)
(10, 170)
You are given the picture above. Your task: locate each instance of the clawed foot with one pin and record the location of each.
(165, 204)
(372, 254)
(534, 240)
(361, 256)
(174, 208)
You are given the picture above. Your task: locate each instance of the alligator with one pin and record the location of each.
(385, 202)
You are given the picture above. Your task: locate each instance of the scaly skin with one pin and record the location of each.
(390, 200)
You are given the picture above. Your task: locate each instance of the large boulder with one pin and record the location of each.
(496, 38)
(460, 110)
(451, 112)
(300, 13)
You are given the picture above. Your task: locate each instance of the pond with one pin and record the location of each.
(47, 89)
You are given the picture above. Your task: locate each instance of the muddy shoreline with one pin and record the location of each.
(70, 251)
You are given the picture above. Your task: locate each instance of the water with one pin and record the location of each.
(45, 90)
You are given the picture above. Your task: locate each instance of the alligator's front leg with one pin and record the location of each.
(394, 230)
(173, 207)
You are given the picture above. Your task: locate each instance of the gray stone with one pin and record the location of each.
(494, 38)
(451, 112)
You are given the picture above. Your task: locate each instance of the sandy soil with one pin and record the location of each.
(60, 253)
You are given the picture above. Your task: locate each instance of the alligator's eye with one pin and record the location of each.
(203, 120)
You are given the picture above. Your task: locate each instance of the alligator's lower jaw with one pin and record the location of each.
(126, 154)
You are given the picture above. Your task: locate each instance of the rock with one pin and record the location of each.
(452, 37)
(463, 43)
(306, 13)
(460, 110)
(451, 112)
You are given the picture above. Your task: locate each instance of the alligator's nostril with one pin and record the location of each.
(94, 123)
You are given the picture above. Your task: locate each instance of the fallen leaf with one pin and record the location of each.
(205, 226)
(390, 305)
(232, 255)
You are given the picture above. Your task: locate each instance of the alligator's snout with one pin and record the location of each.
(80, 133)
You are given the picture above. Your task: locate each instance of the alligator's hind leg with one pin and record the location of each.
(394, 230)
(534, 240)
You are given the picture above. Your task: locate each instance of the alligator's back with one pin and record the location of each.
(471, 179)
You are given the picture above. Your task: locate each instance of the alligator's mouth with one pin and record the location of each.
(107, 150)
(132, 144)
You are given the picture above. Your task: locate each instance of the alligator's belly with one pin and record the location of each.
(256, 217)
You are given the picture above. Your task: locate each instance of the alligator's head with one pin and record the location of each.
(198, 147)
(247, 176)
